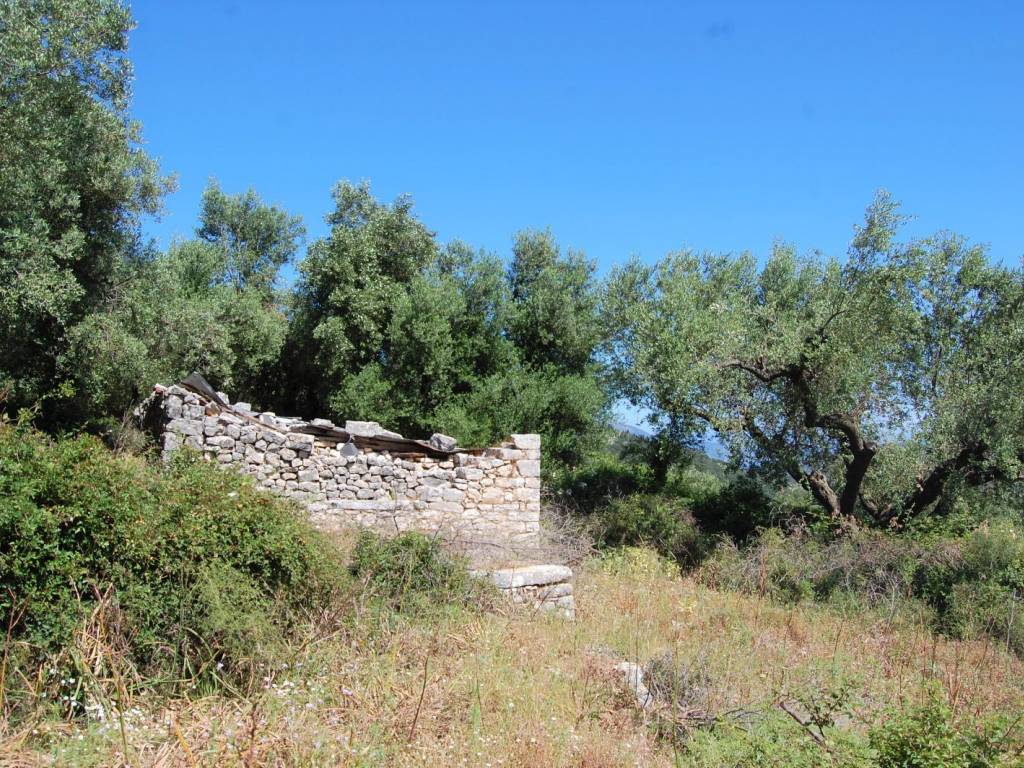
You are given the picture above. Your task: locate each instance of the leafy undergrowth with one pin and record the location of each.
(117, 576)
(469, 688)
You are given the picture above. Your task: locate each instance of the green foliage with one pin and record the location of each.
(774, 741)
(204, 569)
(651, 520)
(981, 591)
(390, 326)
(637, 562)
(736, 509)
(971, 586)
(878, 383)
(554, 321)
(173, 313)
(73, 179)
(256, 239)
(411, 571)
(348, 287)
(604, 478)
(927, 737)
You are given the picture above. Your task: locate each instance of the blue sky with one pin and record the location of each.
(628, 128)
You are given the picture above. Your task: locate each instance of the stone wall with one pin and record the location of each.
(484, 502)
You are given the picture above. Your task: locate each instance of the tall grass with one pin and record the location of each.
(502, 688)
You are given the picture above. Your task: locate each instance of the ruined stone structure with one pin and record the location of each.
(544, 587)
(483, 502)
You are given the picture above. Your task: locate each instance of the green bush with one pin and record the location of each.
(927, 737)
(692, 485)
(979, 590)
(603, 479)
(656, 521)
(737, 509)
(867, 567)
(971, 586)
(411, 571)
(771, 564)
(204, 572)
(773, 741)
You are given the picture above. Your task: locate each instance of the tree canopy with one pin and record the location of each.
(883, 383)
(878, 382)
(73, 179)
(389, 324)
(256, 239)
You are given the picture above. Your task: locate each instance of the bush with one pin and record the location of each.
(737, 510)
(656, 521)
(868, 567)
(638, 563)
(603, 479)
(980, 590)
(204, 572)
(774, 741)
(411, 571)
(926, 737)
(771, 565)
(972, 587)
(693, 485)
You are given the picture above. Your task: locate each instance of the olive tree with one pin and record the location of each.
(879, 382)
(74, 179)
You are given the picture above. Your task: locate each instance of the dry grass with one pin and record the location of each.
(509, 689)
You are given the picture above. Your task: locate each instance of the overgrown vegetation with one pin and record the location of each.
(189, 575)
(455, 686)
(412, 572)
(871, 409)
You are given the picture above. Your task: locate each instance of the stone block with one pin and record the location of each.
(299, 442)
(526, 442)
(185, 426)
(272, 436)
(527, 575)
(443, 442)
(529, 468)
(505, 454)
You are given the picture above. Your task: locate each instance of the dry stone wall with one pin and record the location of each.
(484, 502)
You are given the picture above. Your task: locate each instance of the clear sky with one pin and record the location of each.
(628, 128)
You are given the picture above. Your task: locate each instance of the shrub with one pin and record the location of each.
(411, 571)
(737, 509)
(692, 484)
(971, 587)
(773, 741)
(638, 563)
(603, 479)
(205, 572)
(771, 565)
(868, 567)
(980, 590)
(927, 737)
(656, 521)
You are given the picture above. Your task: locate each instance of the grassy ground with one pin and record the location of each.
(462, 688)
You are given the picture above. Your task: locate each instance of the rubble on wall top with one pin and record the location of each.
(368, 435)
